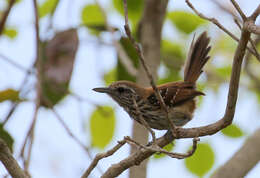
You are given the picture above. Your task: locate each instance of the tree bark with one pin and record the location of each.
(243, 160)
(150, 28)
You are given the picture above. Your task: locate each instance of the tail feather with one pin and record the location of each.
(197, 58)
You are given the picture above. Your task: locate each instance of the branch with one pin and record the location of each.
(5, 15)
(9, 162)
(123, 57)
(250, 25)
(100, 156)
(241, 13)
(243, 160)
(216, 22)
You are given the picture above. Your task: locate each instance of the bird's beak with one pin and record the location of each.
(102, 90)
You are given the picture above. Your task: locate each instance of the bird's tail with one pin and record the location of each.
(197, 58)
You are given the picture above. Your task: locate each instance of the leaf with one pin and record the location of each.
(168, 147)
(202, 160)
(9, 95)
(47, 7)
(56, 65)
(102, 126)
(172, 54)
(232, 131)
(122, 73)
(6, 137)
(135, 8)
(224, 71)
(92, 17)
(10, 32)
(185, 22)
(110, 76)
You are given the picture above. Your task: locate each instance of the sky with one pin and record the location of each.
(55, 154)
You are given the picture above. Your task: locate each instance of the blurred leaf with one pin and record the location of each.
(9, 94)
(122, 73)
(185, 22)
(56, 65)
(92, 16)
(225, 45)
(6, 137)
(200, 87)
(110, 76)
(224, 71)
(10, 32)
(135, 8)
(168, 147)
(172, 54)
(47, 7)
(232, 131)
(202, 160)
(102, 126)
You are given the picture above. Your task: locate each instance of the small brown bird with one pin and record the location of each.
(179, 96)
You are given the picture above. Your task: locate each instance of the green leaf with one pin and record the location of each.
(10, 32)
(122, 73)
(110, 76)
(224, 71)
(225, 45)
(135, 8)
(47, 7)
(10, 95)
(232, 131)
(168, 147)
(185, 22)
(202, 160)
(92, 17)
(102, 126)
(6, 137)
(172, 54)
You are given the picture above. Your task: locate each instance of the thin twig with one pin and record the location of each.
(149, 75)
(5, 15)
(12, 62)
(145, 124)
(9, 162)
(241, 13)
(64, 125)
(255, 13)
(100, 156)
(30, 139)
(160, 150)
(123, 57)
(216, 22)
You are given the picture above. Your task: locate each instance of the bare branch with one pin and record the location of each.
(241, 13)
(154, 149)
(100, 156)
(12, 62)
(9, 162)
(5, 15)
(216, 22)
(123, 57)
(255, 13)
(250, 25)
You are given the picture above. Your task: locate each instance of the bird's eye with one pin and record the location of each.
(120, 89)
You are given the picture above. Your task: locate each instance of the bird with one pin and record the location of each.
(179, 97)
